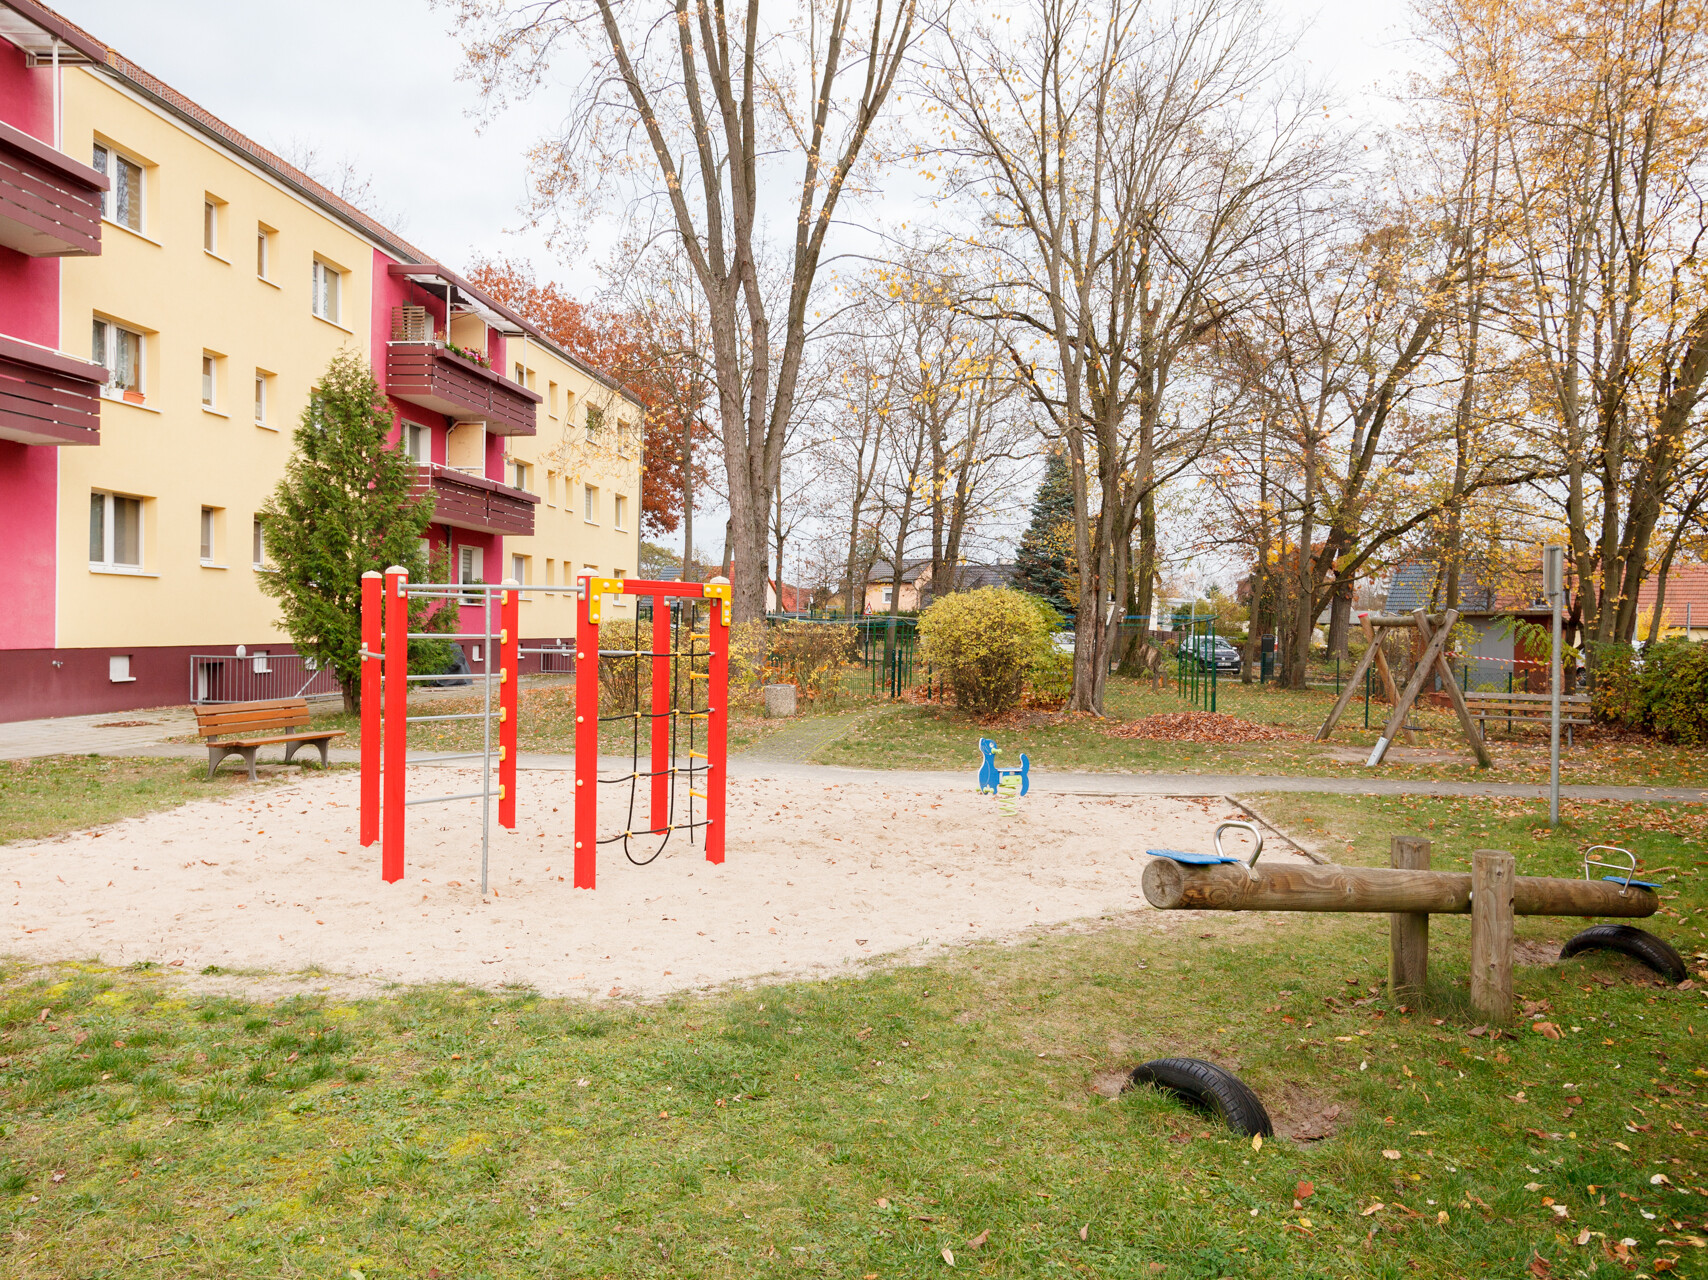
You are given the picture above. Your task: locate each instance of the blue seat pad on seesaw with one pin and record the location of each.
(1195, 859)
(1641, 884)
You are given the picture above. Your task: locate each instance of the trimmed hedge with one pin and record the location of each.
(987, 643)
(1663, 690)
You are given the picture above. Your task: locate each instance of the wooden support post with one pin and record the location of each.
(1384, 670)
(1408, 931)
(1346, 693)
(1402, 708)
(1493, 876)
(1456, 696)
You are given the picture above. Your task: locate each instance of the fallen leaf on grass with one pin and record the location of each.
(1547, 1029)
(1540, 1266)
(1390, 1154)
(978, 1240)
(1304, 1191)
(949, 1257)
(1197, 726)
(1365, 1213)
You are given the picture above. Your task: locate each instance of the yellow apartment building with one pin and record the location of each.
(160, 352)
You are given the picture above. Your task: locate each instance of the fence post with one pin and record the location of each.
(1492, 874)
(1408, 931)
(373, 599)
(396, 741)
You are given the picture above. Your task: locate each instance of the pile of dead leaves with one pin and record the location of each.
(1198, 726)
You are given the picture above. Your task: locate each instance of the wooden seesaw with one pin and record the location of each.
(1492, 894)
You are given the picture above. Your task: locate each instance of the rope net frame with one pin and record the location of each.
(687, 733)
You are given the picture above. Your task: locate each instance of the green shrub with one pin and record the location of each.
(986, 643)
(809, 655)
(1615, 690)
(1663, 691)
(1049, 680)
(1675, 691)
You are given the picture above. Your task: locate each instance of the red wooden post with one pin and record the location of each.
(717, 724)
(586, 736)
(661, 682)
(372, 602)
(509, 702)
(397, 714)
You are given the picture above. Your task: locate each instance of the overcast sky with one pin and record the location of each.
(374, 82)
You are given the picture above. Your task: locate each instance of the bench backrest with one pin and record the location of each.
(1539, 700)
(251, 717)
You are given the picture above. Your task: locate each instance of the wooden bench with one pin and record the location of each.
(1531, 708)
(247, 721)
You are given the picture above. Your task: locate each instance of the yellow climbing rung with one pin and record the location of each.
(700, 794)
(699, 675)
(697, 755)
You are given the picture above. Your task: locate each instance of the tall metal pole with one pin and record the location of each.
(1553, 582)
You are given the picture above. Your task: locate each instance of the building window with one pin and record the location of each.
(208, 543)
(551, 488)
(210, 225)
(210, 381)
(469, 570)
(551, 398)
(258, 544)
(595, 421)
(325, 291)
(418, 442)
(619, 510)
(119, 350)
(889, 593)
(523, 475)
(551, 571)
(262, 379)
(519, 570)
(122, 202)
(263, 249)
(118, 669)
(115, 532)
(590, 504)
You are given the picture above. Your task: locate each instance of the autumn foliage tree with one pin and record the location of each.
(644, 355)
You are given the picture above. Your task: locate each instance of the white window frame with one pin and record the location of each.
(210, 381)
(105, 160)
(261, 383)
(519, 569)
(418, 442)
(258, 544)
(520, 474)
(326, 285)
(263, 253)
(210, 545)
(107, 357)
(471, 568)
(619, 511)
(106, 563)
(118, 669)
(210, 226)
(590, 503)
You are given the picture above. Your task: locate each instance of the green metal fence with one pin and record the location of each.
(1195, 660)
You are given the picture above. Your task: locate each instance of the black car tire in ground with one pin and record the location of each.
(1204, 1084)
(1639, 944)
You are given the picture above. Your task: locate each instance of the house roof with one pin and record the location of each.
(1415, 583)
(883, 571)
(20, 19)
(1686, 586)
(973, 576)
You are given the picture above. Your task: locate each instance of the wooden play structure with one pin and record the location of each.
(1492, 894)
(1433, 632)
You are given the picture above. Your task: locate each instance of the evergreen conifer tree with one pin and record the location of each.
(346, 505)
(1044, 565)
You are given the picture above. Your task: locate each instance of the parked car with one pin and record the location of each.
(1213, 651)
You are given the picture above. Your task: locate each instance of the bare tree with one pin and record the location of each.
(701, 111)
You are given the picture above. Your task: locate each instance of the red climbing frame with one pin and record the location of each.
(587, 711)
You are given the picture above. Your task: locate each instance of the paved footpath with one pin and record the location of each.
(788, 752)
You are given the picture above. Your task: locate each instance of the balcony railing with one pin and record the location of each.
(48, 398)
(427, 374)
(474, 502)
(50, 205)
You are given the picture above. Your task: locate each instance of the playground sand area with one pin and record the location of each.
(823, 877)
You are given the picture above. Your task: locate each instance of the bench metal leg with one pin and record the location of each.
(215, 755)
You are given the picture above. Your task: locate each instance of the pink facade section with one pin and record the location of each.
(29, 495)
(26, 94)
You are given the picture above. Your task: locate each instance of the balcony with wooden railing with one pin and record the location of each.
(48, 397)
(467, 501)
(50, 205)
(424, 370)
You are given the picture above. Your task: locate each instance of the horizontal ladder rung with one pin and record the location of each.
(467, 795)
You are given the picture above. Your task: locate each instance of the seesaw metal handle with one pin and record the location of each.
(1626, 872)
(1243, 826)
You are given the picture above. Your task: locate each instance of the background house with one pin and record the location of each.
(916, 587)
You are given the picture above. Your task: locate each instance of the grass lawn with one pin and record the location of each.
(879, 1127)
(900, 735)
(65, 793)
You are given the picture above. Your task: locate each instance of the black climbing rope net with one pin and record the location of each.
(626, 679)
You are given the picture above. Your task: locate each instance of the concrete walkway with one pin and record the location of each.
(788, 752)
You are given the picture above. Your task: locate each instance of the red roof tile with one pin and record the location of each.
(1685, 585)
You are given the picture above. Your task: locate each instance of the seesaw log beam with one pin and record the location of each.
(1170, 886)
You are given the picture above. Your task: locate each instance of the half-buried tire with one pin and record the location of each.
(1629, 940)
(1205, 1085)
